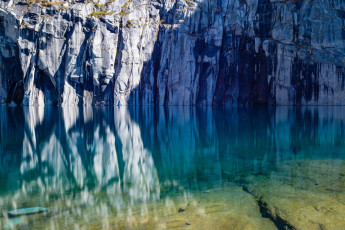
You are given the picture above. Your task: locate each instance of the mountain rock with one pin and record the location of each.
(176, 52)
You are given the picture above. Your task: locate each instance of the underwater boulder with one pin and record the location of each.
(26, 211)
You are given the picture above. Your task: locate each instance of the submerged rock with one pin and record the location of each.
(303, 194)
(225, 207)
(26, 211)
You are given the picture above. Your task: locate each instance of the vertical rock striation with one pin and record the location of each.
(183, 52)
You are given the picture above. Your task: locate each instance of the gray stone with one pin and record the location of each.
(174, 52)
(26, 211)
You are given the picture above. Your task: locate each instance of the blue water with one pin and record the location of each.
(143, 167)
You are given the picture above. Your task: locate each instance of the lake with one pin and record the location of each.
(173, 167)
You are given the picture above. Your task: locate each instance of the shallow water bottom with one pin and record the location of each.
(225, 207)
(299, 194)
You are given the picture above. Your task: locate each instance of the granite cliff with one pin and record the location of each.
(178, 52)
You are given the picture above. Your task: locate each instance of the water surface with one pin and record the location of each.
(173, 168)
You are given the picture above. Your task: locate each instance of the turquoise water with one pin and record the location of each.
(173, 168)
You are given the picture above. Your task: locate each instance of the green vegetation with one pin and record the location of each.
(125, 6)
(123, 13)
(47, 3)
(102, 12)
(109, 2)
(99, 14)
(43, 2)
(99, 6)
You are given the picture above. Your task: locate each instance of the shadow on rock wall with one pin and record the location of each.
(246, 53)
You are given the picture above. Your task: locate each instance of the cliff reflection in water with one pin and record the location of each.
(112, 161)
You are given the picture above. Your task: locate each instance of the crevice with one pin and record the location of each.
(118, 57)
(279, 222)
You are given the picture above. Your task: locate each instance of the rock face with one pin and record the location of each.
(183, 52)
